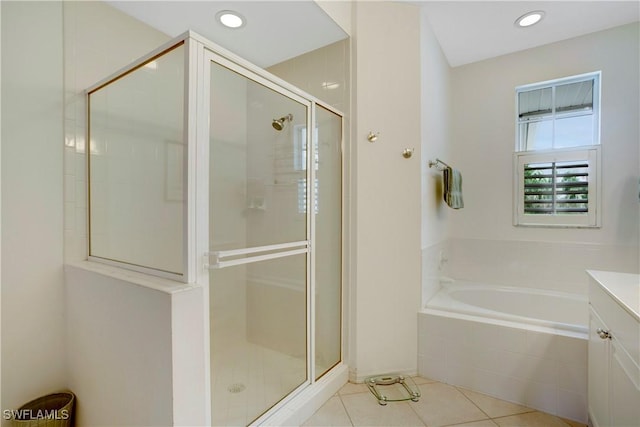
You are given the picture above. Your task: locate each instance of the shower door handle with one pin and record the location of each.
(230, 258)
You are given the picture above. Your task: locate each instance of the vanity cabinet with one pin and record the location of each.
(614, 349)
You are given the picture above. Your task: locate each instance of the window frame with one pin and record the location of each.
(596, 76)
(590, 153)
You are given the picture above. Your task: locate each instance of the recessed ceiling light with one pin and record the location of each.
(529, 19)
(230, 19)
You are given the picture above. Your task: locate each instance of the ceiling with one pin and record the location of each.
(470, 31)
(274, 32)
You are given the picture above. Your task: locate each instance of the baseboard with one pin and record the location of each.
(359, 377)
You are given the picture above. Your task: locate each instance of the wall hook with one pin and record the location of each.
(373, 137)
(407, 153)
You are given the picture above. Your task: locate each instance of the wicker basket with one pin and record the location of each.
(52, 410)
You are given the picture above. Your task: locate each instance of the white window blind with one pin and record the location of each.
(557, 188)
(300, 164)
(302, 196)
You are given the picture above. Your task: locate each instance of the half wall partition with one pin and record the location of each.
(210, 171)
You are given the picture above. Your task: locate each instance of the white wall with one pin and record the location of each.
(386, 193)
(485, 244)
(134, 350)
(339, 11)
(119, 351)
(32, 277)
(436, 143)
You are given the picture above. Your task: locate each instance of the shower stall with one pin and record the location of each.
(207, 170)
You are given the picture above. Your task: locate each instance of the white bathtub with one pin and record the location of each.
(526, 346)
(549, 311)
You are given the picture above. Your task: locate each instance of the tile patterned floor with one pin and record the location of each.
(439, 405)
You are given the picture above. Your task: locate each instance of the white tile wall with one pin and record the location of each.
(543, 371)
(98, 40)
(434, 266)
(545, 265)
(136, 150)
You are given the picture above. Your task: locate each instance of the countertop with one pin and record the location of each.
(624, 288)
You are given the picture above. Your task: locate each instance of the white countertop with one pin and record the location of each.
(624, 288)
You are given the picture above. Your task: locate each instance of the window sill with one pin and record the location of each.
(557, 226)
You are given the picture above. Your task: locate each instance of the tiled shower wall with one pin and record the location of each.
(98, 41)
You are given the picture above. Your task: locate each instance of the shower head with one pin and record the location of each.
(281, 122)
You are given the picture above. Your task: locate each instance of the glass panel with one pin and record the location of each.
(258, 337)
(574, 96)
(574, 131)
(535, 102)
(254, 175)
(258, 310)
(328, 243)
(136, 153)
(537, 135)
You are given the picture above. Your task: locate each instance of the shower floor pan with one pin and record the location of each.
(393, 388)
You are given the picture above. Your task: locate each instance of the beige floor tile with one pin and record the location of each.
(442, 404)
(574, 423)
(364, 410)
(350, 388)
(494, 407)
(332, 413)
(483, 423)
(531, 419)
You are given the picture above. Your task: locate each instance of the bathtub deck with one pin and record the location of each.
(440, 404)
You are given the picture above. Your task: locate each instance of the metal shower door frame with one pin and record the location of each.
(201, 54)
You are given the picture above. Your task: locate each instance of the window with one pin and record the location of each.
(557, 156)
(558, 188)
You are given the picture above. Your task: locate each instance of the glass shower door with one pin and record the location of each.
(327, 242)
(259, 238)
